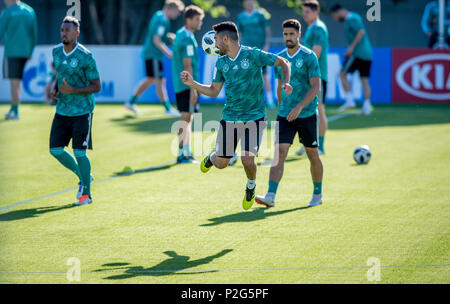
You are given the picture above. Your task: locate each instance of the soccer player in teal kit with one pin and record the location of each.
(244, 114)
(77, 81)
(185, 58)
(18, 29)
(297, 113)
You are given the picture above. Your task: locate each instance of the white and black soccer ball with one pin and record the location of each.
(362, 155)
(209, 44)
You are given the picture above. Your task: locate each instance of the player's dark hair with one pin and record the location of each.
(228, 28)
(312, 4)
(335, 8)
(292, 23)
(73, 20)
(191, 11)
(174, 4)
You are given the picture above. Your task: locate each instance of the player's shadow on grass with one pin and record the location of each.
(33, 212)
(252, 216)
(175, 264)
(149, 126)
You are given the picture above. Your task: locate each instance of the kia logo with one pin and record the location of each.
(421, 68)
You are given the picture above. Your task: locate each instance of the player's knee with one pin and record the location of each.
(56, 151)
(247, 161)
(79, 153)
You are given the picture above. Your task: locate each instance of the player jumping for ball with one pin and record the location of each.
(244, 114)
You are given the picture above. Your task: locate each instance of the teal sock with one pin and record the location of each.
(317, 188)
(321, 141)
(180, 151)
(84, 164)
(14, 108)
(273, 187)
(167, 105)
(133, 100)
(187, 150)
(66, 159)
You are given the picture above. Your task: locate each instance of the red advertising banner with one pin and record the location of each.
(420, 76)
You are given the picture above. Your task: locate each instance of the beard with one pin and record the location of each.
(290, 44)
(341, 19)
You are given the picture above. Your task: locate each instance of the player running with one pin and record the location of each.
(254, 30)
(297, 113)
(316, 39)
(185, 58)
(358, 56)
(155, 47)
(77, 81)
(18, 29)
(244, 114)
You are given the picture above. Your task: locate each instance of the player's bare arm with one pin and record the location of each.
(93, 87)
(187, 64)
(317, 49)
(355, 42)
(279, 92)
(162, 46)
(212, 90)
(312, 93)
(268, 36)
(286, 72)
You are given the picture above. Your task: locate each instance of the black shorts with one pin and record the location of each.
(323, 92)
(264, 70)
(13, 68)
(184, 102)
(154, 68)
(249, 133)
(77, 128)
(351, 64)
(307, 129)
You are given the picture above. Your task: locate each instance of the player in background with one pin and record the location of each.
(244, 114)
(430, 22)
(18, 29)
(78, 80)
(153, 52)
(316, 39)
(297, 113)
(358, 56)
(185, 58)
(254, 30)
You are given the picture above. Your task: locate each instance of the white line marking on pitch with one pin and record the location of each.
(8, 207)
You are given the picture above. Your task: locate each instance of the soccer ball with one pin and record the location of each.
(362, 155)
(209, 44)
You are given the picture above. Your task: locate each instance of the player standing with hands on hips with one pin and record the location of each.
(244, 114)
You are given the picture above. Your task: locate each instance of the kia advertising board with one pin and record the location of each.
(420, 76)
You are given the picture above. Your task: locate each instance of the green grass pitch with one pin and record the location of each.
(176, 225)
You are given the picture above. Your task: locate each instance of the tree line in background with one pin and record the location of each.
(126, 21)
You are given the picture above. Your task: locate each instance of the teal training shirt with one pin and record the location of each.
(317, 34)
(184, 46)
(244, 83)
(18, 29)
(159, 25)
(78, 67)
(353, 24)
(252, 28)
(304, 66)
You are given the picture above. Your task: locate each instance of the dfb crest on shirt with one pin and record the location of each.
(299, 63)
(245, 64)
(226, 68)
(74, 63)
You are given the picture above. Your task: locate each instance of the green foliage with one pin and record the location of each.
(209, 6)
